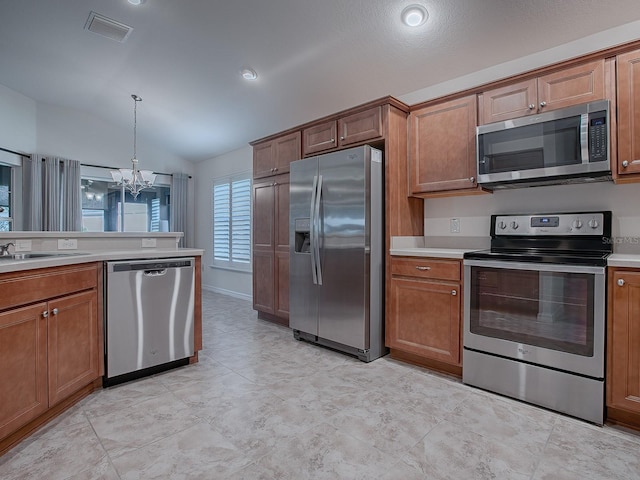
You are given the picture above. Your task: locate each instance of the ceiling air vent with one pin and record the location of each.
(107, 27)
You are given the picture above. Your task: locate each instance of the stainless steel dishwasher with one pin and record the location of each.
(149, 316)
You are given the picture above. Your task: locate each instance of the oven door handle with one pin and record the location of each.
(539, 267)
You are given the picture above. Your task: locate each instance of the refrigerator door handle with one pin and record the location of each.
(316, 241)
(312, 230)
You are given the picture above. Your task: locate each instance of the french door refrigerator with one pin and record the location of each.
(336, 251)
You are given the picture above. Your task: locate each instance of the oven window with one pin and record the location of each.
(551, 310)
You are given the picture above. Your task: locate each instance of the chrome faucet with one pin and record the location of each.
(4, 249)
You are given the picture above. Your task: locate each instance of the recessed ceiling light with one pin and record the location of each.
(248, 73)
(414, 15)
(136, 2)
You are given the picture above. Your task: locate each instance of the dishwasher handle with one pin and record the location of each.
(155, 273)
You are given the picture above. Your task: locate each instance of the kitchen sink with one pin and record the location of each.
(34, 255)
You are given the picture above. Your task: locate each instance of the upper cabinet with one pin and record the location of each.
(272, 157)
(349, 130)
(628, 84)
(570, 86)
(442, 140)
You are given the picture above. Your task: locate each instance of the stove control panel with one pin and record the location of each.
(553, 224)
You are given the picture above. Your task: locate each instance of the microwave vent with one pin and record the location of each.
(107, 27)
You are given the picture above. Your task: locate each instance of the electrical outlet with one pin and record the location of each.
(67, 244)
(454, 225)
(148, 242)
(23, 245)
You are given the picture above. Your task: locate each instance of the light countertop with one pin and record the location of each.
(98, 256)
(623, 260)
(456, 253)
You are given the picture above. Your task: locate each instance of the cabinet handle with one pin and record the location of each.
(423, 268)
(625, 164)
(543, 104)
(620, 282)
(454, 292)
(341, 138)
(471, 179)
(531, 106)
(333, 140)
(54, 311)
(275, 169)
(45, 314)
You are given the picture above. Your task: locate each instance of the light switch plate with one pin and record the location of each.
(23, 245)
(67, 244)
(148, 242)
(455, 225)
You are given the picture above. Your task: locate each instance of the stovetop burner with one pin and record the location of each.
(578, 238)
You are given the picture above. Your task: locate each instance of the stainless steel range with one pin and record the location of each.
(534, 311)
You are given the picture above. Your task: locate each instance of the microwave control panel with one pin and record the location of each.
(598, 133)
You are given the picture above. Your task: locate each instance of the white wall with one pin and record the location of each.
(234, 283)
(17, 121)
(474, 211)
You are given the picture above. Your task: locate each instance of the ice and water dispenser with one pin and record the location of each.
(302, 238)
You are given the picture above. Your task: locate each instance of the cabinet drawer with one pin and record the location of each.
(21, 288)
(426, 267)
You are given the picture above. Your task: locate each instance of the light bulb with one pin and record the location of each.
(414, 15)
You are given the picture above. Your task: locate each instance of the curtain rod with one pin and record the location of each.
(114, 168)
(14, 152)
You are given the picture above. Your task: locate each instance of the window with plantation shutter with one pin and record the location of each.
(232, 222)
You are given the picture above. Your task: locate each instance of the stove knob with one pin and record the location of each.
(514, 225)
(502, 225)
(577, 224)
(593, 223)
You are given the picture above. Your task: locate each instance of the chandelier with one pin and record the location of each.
(133, 179)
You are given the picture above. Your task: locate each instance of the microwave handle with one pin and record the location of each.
(584, 137)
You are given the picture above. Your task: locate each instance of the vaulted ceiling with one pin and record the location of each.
(313, 57)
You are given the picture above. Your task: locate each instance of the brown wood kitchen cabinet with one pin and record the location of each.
(272, 157)
(271, 248)
(628, 88)
(350, 130)
(442, 138)
(424, 319)
(623, 346)
(50, 333)
(570, 86)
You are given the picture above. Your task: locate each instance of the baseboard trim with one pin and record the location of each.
(230, 293)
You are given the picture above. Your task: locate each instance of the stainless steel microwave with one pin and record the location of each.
(561, 146)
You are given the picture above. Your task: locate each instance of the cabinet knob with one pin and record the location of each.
(620, 282)
(45, 314)
(454, 292)
(531, 106)
(54, 311)
(472, 179)
(543, 104)
(419, 267)
(275, 169)
(625, 164)
(341, 138)
(272, 169)
(333, 140)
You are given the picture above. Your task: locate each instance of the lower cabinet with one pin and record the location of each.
(425, 314)
(623, 338)
(51, 348)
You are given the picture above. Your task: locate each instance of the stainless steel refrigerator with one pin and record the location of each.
(336, 251)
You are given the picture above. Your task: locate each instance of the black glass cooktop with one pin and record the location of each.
(562, 257)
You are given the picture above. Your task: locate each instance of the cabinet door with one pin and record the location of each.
(360, 127)
(512, 101)
(263, 212)
(443, 146)
(572, 86)
(282, 284)
(263, 159)
(320, 138)
(281, 213)
(263, 286)
(23, 366)
(287, 150)
(624, 342)
(629, 112)
(425, 319)
(72, 344)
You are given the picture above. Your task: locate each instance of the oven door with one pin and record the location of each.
(544, 314)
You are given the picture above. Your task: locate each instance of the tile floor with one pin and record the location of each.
(261, 405)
